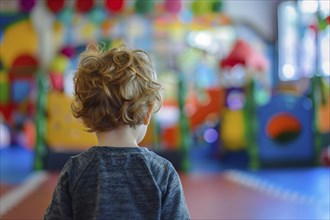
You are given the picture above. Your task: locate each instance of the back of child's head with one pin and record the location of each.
(114, 87)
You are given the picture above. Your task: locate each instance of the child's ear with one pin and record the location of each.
(148, 115)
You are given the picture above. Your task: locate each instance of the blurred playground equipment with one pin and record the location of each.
(285, 135)
(222, 80)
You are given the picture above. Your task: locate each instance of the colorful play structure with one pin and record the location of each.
(222, 90)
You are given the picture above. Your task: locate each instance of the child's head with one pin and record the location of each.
(113, 88)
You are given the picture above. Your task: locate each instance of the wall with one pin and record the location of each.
(260, 14)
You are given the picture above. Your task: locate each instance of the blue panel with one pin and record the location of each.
(16, 164)
(6, 19)
(299, 149)
(20, 90)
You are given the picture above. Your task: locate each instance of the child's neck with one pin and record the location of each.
(123, 136)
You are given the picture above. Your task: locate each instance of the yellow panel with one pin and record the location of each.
(18, 39)
(324, 117)
(3, 77)
(64, 132)
(232, 130)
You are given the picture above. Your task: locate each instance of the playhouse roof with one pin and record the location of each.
(242, 53)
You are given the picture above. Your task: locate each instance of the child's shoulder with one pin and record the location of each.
(85, 155)
(157, 161)
(81, 159)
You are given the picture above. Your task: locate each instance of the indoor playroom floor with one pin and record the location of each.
(291, 194)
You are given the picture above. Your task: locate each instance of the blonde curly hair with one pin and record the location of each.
(114, 87)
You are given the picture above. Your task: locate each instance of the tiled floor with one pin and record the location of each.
(218, 197)
(295, 194)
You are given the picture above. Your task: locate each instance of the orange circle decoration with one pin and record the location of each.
(283, 128)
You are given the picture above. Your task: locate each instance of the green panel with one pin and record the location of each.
(4, 92)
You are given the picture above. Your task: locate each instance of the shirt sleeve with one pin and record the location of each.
(60, 206)
(174, 205)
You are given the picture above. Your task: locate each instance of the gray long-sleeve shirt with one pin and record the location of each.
(118, 183)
